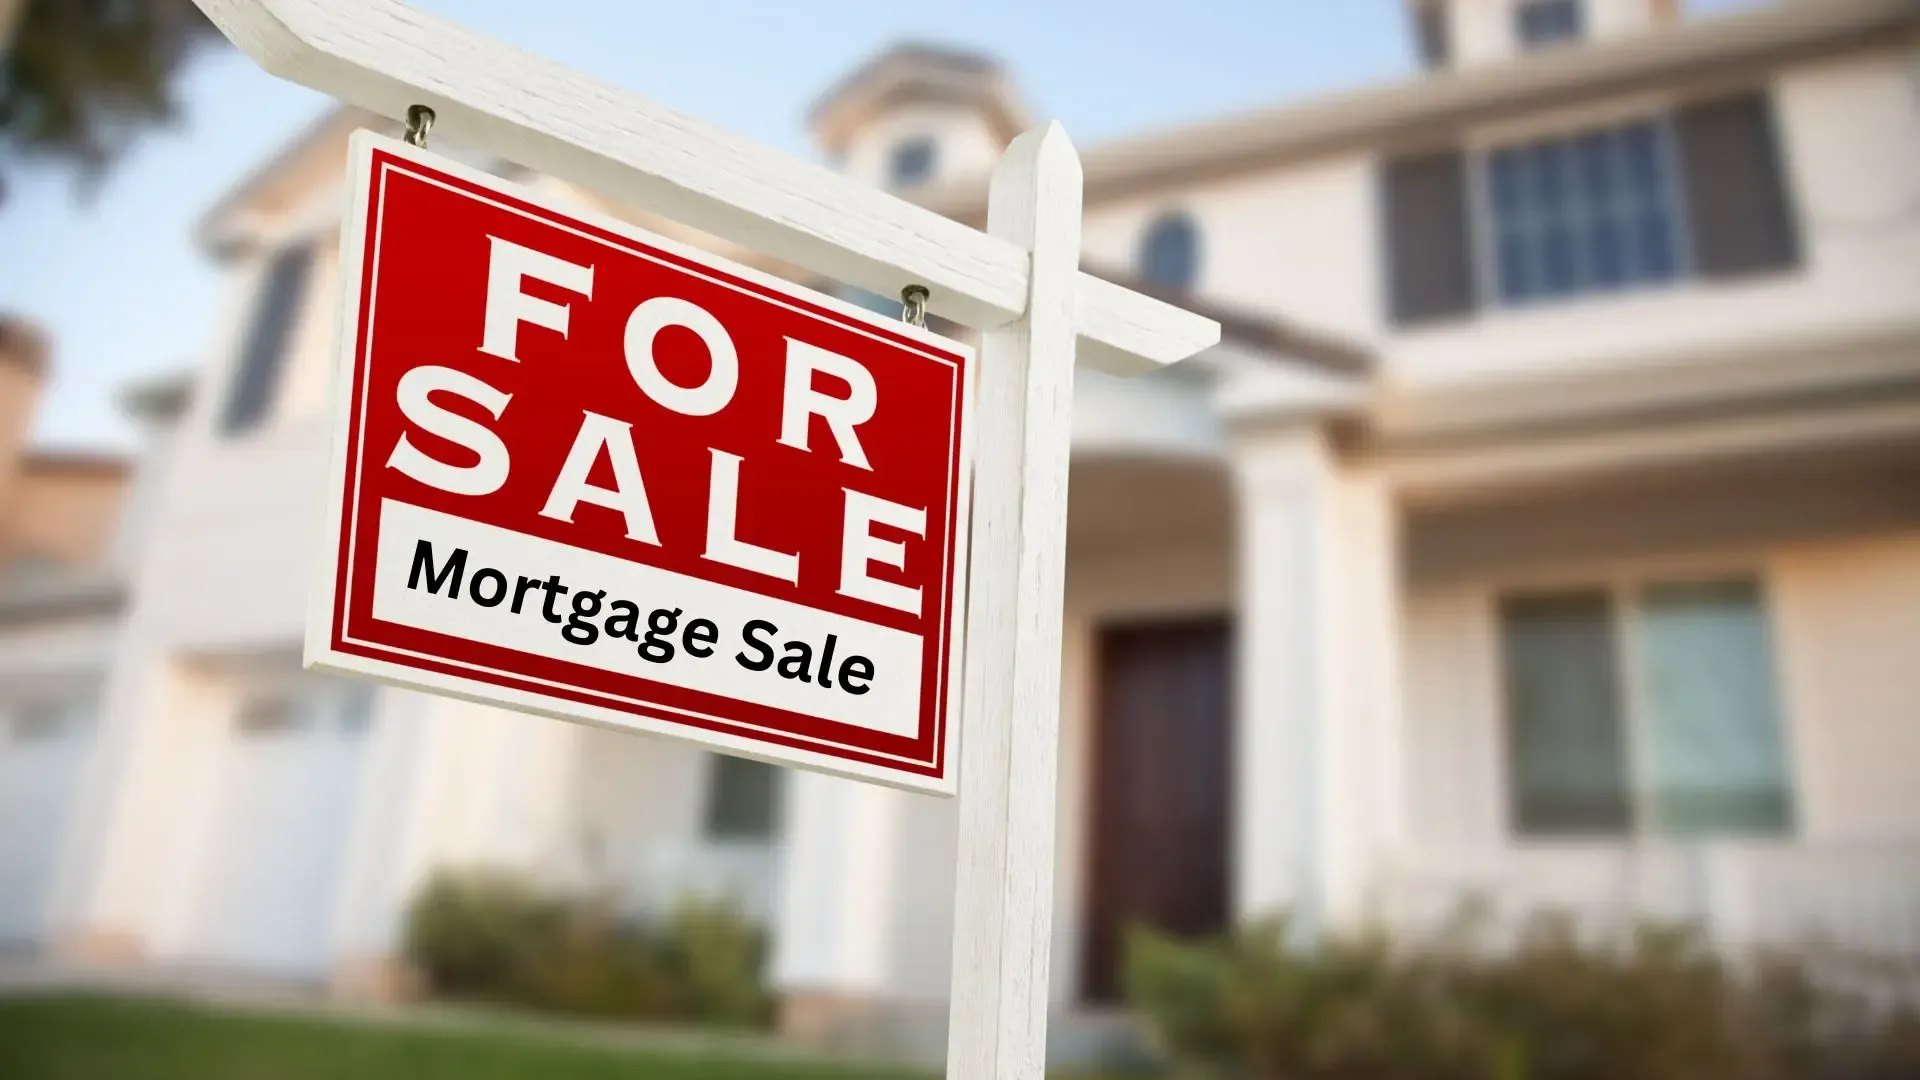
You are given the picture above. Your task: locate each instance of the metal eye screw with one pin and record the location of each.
(419, 124)
(913, 305)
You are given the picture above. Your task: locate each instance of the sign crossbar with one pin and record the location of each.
(386, 55)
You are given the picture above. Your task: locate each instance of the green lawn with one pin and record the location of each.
(98, 1038)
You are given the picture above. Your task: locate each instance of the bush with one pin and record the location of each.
(490, 936)
(1265, 1003)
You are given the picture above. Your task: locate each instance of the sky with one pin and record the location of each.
(117, 281)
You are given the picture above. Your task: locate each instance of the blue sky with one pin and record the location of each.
(118, 282)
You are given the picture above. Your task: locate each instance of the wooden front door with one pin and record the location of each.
(1160, 790)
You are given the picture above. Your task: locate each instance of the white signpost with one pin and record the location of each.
(1018, 282)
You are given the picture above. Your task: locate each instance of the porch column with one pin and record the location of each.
(833, 932)
(1319, 791)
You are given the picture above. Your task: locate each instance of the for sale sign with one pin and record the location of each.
(585, 471)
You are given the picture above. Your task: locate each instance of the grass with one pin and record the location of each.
(101, 1038)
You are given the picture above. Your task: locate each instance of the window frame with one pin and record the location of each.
(1623, 588)
(1484, 226)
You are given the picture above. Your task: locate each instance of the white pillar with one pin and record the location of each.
(1318, 808)
(832, 941)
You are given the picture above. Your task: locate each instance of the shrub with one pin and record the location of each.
(490, 936)
(1656, 1004)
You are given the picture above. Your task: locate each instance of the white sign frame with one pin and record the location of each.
(319, 654)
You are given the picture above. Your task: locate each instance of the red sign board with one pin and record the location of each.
(585, 471)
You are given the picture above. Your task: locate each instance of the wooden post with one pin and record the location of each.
(1009, 743)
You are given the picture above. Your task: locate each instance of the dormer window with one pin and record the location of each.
(911, 163)
(1547, 22)
(1170, 252)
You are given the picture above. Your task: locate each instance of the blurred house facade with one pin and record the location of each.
(1546, 529)
(66, 539)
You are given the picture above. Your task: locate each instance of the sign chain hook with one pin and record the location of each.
(913, 305)
(419, 125)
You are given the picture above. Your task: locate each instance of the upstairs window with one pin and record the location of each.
(1701, 193)
(1548, 22)
(1170, 252)
(1596, 212)
(268, 340)
(911, 163)
(1644, 711)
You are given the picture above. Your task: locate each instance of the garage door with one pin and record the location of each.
(277, 843)
(43, 746)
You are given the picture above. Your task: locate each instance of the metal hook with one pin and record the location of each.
(913, 305)
(419, 124)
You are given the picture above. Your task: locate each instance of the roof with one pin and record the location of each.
(101, 463)
(158, 398)
(916, 72)
(1431, 107)
(267, 180)
(93, 593)
(23, 344)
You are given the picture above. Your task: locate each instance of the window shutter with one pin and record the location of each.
(263, 354)
(1736, 190)
(1429, 243)
(1431, 36)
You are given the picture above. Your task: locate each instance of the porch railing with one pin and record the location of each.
(1859, 899)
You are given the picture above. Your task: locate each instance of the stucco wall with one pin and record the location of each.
(1849, 626)
(1299, 243)
(965, 146)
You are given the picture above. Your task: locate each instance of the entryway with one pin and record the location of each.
(1161, 792)
(267, 896)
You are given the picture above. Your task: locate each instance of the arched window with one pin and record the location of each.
(1170, 252)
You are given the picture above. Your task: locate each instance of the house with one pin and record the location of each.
(65, 538)
(1544, 529)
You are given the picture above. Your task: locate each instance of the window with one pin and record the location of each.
(743, 799)
(270, 714)
(1648, 711)
(39, 721)
(1566, 752)
(1430, 34)
(1170, 252)
(1596, 212)
(263, 353)
(911, 163)
(1544, 22)
(1700, 194)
